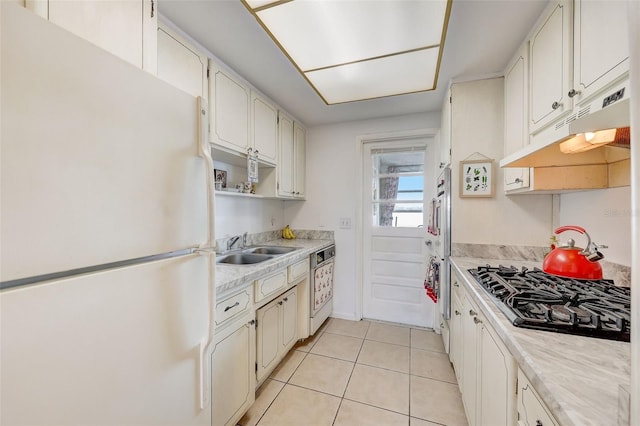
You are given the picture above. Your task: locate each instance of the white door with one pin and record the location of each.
(394, 255)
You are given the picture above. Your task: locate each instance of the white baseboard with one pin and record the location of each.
(350, 316)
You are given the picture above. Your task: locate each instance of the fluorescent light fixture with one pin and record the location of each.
(585, 141)
(351, 50)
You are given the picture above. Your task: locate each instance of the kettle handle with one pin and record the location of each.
(587, 249)
(579, 229)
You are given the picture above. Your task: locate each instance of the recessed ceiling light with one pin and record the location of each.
(351, 50)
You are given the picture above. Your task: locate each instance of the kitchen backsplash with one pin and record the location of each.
(620, 274)
(264, 237)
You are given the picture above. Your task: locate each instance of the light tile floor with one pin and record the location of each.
(361, 373)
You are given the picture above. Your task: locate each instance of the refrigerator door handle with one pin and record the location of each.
(207, 249)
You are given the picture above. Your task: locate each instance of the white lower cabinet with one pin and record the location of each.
(485, 370)
(469, 359)
(531, 409)
(277, 331)
(233, 380)
(497, 375)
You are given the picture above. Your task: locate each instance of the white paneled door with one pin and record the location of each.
(394, 254)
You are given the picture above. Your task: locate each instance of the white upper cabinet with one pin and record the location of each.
(550, 65)
(126, 28)
(445, 131)
(299, 158)
(516, 112)
(229, 101)
(264, 131)
(601, 45)
(286, 161)
(181, 64)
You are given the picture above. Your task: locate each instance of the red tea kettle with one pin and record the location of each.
(574, 262)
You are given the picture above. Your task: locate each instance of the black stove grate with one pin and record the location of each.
(541, 301)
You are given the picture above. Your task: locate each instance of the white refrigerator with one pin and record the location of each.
(106, 263)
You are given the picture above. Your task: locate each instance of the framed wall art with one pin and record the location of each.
(476, 178)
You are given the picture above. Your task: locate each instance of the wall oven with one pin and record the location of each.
(321, 300)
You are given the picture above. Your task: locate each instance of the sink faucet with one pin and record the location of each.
(232, 241)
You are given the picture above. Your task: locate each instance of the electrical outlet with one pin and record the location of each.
(345, 223)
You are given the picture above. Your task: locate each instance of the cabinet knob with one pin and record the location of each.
(472, 312)
(252, 322)
(573, 92)
(455, 284)
(280, 302)
(518, 180)
(286, 299)
(477, 321)
(457, 312)
(538, 423)
(555, 105)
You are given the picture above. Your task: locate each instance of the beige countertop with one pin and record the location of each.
(233, 277)
(577, 377)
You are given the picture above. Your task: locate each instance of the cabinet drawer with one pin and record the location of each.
(531, 410)
(269, 285)
(233, 306)
(298, 270)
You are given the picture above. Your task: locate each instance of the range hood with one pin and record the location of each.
(567, 142)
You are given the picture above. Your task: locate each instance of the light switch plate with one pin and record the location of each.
(345, 223)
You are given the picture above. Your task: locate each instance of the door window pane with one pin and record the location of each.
(398, 187)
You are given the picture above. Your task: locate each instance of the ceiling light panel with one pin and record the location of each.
(318, 35)
(391, 75)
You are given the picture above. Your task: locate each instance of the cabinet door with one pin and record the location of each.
(125, 28)
(531, 410)
(289, 318)
(601, 51)
(445, 131)
(180, 64)
(300, 161)
(516, 129)
(497, 375)
(455, 337)
(551, 71)
(230, 100)
(264, 132)
(469, 361)
(268, 339)
(285, 162)
(233, 378)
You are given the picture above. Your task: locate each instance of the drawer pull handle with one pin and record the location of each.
(472, 312)
(232, 306)
(476, 320)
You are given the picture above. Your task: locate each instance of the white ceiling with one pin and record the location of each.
(481, 38)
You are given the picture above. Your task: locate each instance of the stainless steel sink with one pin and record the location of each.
(271, 250)
(243, 258)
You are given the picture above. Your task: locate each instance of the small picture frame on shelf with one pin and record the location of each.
(220, 179)
(476, 178)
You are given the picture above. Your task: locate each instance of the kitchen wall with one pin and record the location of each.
(606, 215)
(332, 189)
(477, 130)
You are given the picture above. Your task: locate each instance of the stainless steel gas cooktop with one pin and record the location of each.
(535, 299)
